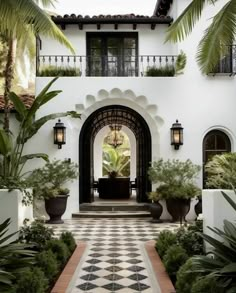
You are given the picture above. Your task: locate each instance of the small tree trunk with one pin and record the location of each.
(8, 76)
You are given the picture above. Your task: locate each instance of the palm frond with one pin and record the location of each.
(214, 44)
(26, 13)
(184, 24)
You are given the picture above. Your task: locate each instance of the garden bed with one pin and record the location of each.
(63, 281)
(161, 275)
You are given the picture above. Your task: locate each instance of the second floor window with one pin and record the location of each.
(112, 54)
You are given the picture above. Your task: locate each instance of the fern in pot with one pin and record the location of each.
(176, 184)
(48, 184)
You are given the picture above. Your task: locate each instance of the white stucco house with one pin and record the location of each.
(113, 54)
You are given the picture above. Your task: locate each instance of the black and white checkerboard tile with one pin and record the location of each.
(114, 260)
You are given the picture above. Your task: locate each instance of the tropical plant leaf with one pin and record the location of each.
(18, 105)
(25, 158)
(42, 98)
(229, 200)
(225, 250)
(33, 129)
(205, 264)
(230, 238)
(14, 25)
(220, 34)
(184, 24)
(5, 143)
(230, 268)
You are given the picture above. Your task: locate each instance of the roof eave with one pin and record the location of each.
(135, 20)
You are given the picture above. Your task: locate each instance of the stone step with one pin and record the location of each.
(114, 207)
(114, 214)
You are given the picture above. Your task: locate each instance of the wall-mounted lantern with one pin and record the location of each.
(59, 134)
(176, 133)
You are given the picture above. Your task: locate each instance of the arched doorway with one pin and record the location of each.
(97, 120)
(215, 142)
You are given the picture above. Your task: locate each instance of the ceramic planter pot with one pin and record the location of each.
(156, 212)
(55, 208)
(198, 207)
(178, 208)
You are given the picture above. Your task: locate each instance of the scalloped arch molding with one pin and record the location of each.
(125, 98)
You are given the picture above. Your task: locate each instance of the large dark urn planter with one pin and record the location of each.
(178, 208)
(55, 208)
(156, 212)
(198, 207)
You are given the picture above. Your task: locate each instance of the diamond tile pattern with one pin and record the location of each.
(114, 261)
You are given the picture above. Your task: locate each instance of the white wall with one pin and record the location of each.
(151, 42)
(200, 106)
(216, 209)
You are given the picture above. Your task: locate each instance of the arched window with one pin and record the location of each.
(215, 142)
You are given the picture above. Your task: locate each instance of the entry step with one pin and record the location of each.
(114, 207)
(112, 214)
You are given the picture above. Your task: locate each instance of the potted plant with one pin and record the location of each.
(15, 198)
(48, 183)
(155, 207)
(198, 205)
(114, 162)
(177, 186)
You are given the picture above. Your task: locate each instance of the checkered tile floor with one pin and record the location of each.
(115, 260)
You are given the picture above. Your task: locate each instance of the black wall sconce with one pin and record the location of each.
(176, 133)
(59, 134)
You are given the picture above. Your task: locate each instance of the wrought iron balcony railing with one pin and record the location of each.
(227, 64)
(74, 65)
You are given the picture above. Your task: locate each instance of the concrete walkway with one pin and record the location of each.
(115, 260)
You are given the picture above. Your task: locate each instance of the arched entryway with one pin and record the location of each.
(96, 121)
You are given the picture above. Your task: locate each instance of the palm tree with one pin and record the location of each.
(219, 34)
(20, 19)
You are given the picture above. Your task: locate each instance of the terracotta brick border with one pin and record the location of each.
(69, 270)
(161, 275)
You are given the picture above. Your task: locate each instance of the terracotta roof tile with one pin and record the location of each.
(121, 18)
(26, 99)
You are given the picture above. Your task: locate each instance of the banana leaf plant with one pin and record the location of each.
(12, 159)
(114, 162)
(14, 258)
(221, 265)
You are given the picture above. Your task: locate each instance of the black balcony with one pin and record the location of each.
(97, 66)
(227, 64)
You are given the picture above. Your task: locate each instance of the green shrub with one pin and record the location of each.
(190, 239)
(207, 285)
(14, 257)
(167, 70)
(47, 262)
(165, 240)
(176, 179)
(60, 250)
(32, 280)
(185, 278)
(59, 71)
(68, 239)
(221, 171)
(174, 258)
(37, 233)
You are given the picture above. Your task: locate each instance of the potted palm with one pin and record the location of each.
(176, 184)
(48, 184)
(155, 207)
